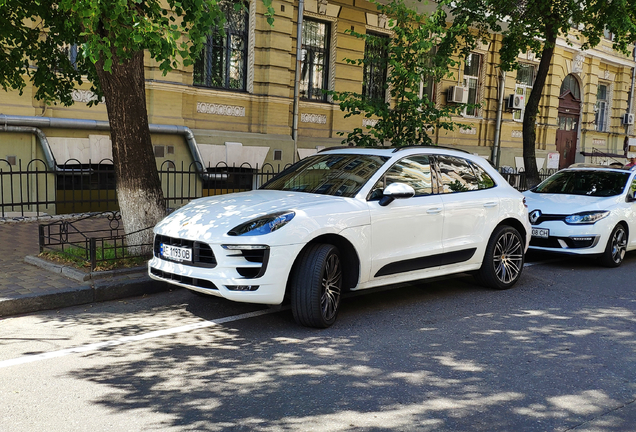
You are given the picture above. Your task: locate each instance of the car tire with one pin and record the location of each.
(616, 247)
(316, 286)
(503, 259)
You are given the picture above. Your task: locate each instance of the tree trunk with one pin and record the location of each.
(137, 180)
(532, 109)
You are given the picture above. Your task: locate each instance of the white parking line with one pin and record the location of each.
(137, 338)
(154, 334)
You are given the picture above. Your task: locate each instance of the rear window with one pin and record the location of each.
(591, 183)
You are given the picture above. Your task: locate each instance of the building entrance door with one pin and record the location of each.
(568, 127)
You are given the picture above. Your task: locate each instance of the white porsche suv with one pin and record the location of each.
(348, 219)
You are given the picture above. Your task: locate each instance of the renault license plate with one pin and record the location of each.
(176, 253)
(540, 232)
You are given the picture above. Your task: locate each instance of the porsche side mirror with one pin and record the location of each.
(396, 191)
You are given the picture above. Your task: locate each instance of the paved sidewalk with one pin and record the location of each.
(26, 288)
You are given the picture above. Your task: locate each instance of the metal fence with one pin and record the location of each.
(517, 178)
(33, 189)
(92, 241)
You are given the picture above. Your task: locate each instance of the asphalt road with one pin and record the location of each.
(557, 352)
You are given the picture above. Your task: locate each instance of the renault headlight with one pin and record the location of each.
(586, 217)
(263, 225)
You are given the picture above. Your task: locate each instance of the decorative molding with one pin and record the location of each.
(382, 20)
(598, 142)
(606, 75)
(313, 118)
(369, 122)
(482, 85)
(322, 7)
(516, 134)
(331, 84)
(577, 63)
(471, 131)
(85, 96)
(251, 40)
(225, 110)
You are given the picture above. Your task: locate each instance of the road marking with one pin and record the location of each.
(129, 339)
(155, 334)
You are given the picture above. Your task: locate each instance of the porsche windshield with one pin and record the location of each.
(328, 174)
(591, 183)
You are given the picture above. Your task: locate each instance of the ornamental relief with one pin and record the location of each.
(225, 110)
(471, 131)
(85, 96)
(313, 118)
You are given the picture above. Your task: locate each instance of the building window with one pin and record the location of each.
(223, 62)
(427, 85)
(471, 81)
(315, 60)
(375, 70)
(570, 84)
(523, 87)
(607, 34)
(601, 108)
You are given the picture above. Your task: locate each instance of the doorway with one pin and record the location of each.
(568, 121)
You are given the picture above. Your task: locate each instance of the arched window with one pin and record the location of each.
(570, 83)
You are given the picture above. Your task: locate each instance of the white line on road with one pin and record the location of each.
(155, 334)
(128, 339)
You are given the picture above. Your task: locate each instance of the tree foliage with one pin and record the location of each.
(535, 25)
(412, 54)
(36, 33)
(112, 38)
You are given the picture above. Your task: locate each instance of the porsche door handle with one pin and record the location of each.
(491, 204)
(435, 210)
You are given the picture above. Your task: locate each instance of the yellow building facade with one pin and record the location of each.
(586, 111)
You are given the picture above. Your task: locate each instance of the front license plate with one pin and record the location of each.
(540, 232)
(176, 253)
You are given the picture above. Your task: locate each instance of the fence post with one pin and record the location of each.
(41, 238)
(93, 252)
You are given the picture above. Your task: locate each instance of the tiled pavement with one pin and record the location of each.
(27, 288)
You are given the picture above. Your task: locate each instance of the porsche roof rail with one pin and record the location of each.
(429, 146)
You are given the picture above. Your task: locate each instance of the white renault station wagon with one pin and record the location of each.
(348, 219)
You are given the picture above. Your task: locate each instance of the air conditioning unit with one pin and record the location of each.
(628, 119)
(457, 94)
(516, 102)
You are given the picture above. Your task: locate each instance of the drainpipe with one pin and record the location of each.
(30, 124)
(631, 91)
(496, 147)
(299, 61)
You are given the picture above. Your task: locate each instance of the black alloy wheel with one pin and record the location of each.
(616, 247)
(503, 259)
(316, 286)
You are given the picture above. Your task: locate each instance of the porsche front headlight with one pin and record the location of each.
(263, 225)
(586, 217)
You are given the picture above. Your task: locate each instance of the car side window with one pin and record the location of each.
(415, 171)
(456, 175)
(484, 181)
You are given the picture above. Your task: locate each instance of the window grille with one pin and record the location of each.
(315, 60)
(223, 62)
(375, 70)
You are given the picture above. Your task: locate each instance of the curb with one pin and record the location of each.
(79, 275)
(114, 286)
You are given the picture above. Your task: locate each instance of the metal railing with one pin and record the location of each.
(517, 178)
(32, 189)
(92, 240)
